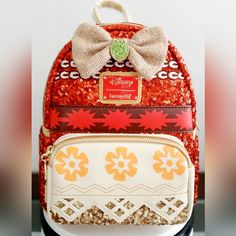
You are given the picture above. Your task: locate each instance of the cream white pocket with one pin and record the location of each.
(117, 175)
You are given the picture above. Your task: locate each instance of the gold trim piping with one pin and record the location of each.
(46, 132)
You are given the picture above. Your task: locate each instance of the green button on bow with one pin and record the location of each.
(119, 49)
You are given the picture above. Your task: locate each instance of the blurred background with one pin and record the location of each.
(186, 22)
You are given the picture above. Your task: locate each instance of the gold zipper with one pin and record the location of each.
(51, 151)
(45, 159)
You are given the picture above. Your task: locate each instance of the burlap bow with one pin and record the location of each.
(91, 50)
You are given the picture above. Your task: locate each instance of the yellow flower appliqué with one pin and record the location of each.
(121, 164)
(71, 163)
(169, 163)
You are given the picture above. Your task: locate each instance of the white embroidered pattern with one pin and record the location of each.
(119, 208)
(65, 64)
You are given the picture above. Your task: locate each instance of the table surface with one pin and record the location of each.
(199, 218)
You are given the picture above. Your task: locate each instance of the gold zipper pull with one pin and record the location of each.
(45, 159)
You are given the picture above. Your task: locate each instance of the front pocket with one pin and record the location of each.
(120, 178)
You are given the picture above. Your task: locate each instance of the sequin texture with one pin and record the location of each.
(65, 87)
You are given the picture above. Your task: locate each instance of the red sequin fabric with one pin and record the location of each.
(171, 87)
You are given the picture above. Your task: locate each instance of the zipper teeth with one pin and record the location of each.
(140, 136)
(113, 138)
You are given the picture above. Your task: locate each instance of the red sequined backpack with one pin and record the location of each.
(118, 142)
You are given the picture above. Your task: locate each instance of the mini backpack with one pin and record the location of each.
(118, 142)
